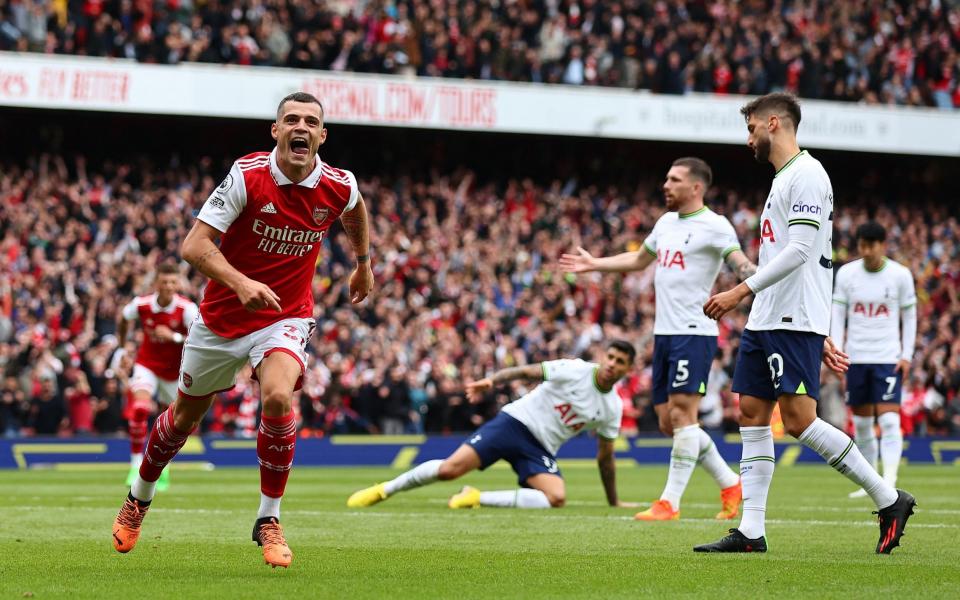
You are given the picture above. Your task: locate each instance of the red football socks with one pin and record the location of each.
(275, 442)
(165, 441)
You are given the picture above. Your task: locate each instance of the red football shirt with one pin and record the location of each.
(163, 358)
(272, 233)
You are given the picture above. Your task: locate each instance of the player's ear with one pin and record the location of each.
(323, 135)
(273, 130)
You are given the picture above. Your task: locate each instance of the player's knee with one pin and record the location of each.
(276, 402)
(140, 413)
(666, 427)
(449, 470)
(679, 417)
(796, 425)
(557, 500)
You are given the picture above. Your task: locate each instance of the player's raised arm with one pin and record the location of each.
(476, 389)
(358, 232)
(584, 262)
(199, 249)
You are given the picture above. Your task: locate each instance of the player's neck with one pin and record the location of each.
(781, 154)
(296, 174)
(689, 208)
(603, 386)
(162, 302)
(874, 264)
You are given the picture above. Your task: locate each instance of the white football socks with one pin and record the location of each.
(756, 472)
(422, 474)
(520, 498)
(713, 463)
(269, 507)
(842, 454)
(891, 445)
(866, 438)
(136, 459)
(683, 458)
(143, 490)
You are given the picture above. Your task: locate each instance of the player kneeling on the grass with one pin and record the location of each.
(270, 214)
(870, 298)
(575, 395)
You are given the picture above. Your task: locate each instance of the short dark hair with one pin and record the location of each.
(168, 268)
(871, 231)
(625, 347)
(298, 97)
(698, 168)
(779, 103)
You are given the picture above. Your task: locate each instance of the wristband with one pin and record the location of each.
(177, 338)
(363, 258)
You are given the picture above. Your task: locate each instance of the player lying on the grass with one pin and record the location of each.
(575, 395)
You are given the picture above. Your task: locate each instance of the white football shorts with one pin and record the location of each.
(211, 363)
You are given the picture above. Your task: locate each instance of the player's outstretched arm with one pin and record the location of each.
(358, 232)
(476, 389)
(199, 249)
(584, 262)
(740, 264)
(608, 472)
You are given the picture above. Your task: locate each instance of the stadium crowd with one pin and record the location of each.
(902, 52)
(467, 282)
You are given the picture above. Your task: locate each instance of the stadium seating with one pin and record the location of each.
(902, 53)
(467, 282)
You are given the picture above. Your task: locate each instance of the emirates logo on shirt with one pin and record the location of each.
(320, 214)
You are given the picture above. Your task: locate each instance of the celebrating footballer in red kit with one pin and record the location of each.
(270, 213)
(165, 317)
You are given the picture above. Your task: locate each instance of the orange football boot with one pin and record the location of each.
(268, 533)
(126, 527)
(661, 510)
(730, 499)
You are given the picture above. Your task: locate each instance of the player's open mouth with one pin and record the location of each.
(299, 146)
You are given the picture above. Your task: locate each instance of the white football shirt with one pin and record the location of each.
(801, 196)
(873, 301)
(567, 402)
(689, 251)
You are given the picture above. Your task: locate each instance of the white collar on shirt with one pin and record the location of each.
(156, 308)
(310, 181)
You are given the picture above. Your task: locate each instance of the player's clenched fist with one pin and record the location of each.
(257, 296)
(361, 283)
(476, 389)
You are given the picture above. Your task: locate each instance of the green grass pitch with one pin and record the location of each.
(55, 540)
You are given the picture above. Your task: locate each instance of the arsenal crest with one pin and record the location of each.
(320, 215)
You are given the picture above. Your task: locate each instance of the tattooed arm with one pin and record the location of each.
(358, 232)
(476, 389)
(740, 265)
(199, 249)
